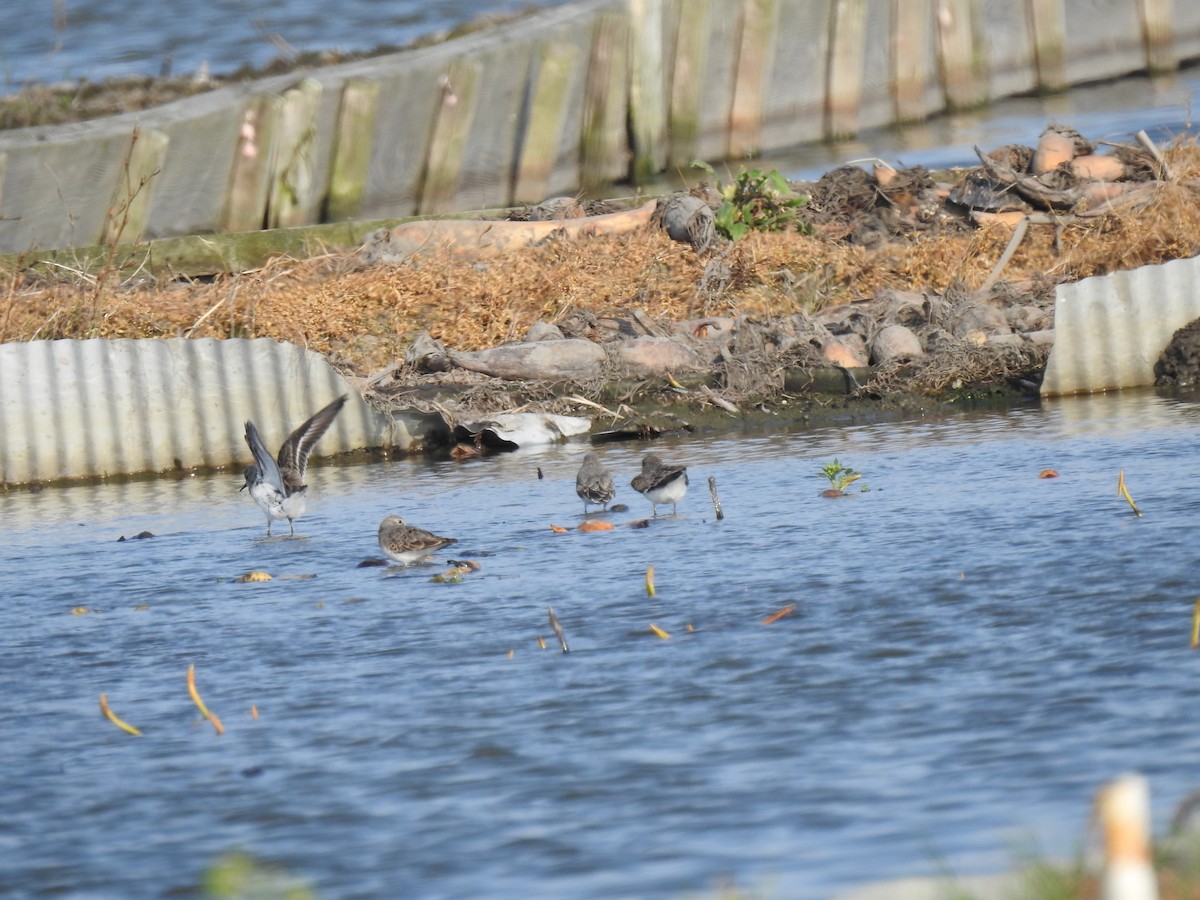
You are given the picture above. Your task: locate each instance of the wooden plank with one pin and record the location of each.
(295, 195)
(755, 55)
(687, 82)
(603, 146)
(129, 208)
(847, 61)
(250, 179)
(1048, 21)
(963, 59)
(911, 58)
(554, 68)
(647, 90)
(451, 130)
(353, 141)
(1159, 30)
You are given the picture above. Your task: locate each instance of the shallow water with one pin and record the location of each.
(974, 651)
(98, 39)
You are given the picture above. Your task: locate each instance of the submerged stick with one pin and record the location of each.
(195, 695)
(1123, 492)
(712, 489)
(558, 630)
(121, 723)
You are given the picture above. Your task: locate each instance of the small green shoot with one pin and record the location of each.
(756, 199)
(840, 477)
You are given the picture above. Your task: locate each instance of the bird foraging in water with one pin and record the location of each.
(278, 486)
(661, 483)
(594, 483)
(408, 545)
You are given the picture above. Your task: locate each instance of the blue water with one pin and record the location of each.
(71, 40)
(974, 651)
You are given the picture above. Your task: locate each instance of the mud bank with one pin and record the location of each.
(870, 292)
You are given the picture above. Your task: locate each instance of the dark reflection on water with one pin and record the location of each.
(974, 650)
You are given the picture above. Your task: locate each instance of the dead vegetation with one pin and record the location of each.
(363, 317)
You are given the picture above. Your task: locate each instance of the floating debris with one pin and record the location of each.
(1047, 473)
(779, 614)
(1196, 624)
(558, 529)
(650, 581)
(252, 578)
(658, 632)
(116, 720)
(140, 536)
(195, 695)
(1123, 492)
(541, 643)
(558, 630)
(595, 525)
(712, 489)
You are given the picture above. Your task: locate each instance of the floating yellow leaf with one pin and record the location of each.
(80, 611)
(558, 529)
(1123, 492)
(649, 581)
(595, 525)
(1047, 473)
(780, 613)
(195, 695)
(254, 712)
(251, 577)
(112, 717)
(658, 631)
(511, 654)
(1196, 624)
(541, 643)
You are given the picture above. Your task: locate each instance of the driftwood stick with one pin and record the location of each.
(712, 489)
(558, 630)
(1152, 149)
(1014, 242)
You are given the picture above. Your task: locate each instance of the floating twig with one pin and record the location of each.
(116, 720)
(779, 614)
(1196, 624)
(658, 632)
(558, 630)
(712, 489)
(650, 581)
(195, 695)
(1123, 492)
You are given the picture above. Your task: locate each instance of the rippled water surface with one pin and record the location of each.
(69, 40)
(974, 649)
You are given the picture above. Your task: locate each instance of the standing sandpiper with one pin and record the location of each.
(661, 483)
(594, 483)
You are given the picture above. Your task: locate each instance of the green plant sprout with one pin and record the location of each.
(755, 200)
(840, 477)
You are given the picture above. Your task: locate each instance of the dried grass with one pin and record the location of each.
(364, 317)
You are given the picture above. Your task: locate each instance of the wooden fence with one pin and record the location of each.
(567, 99)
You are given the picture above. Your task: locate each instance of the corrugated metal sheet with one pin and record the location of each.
(72, 409)
(1110, 330)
